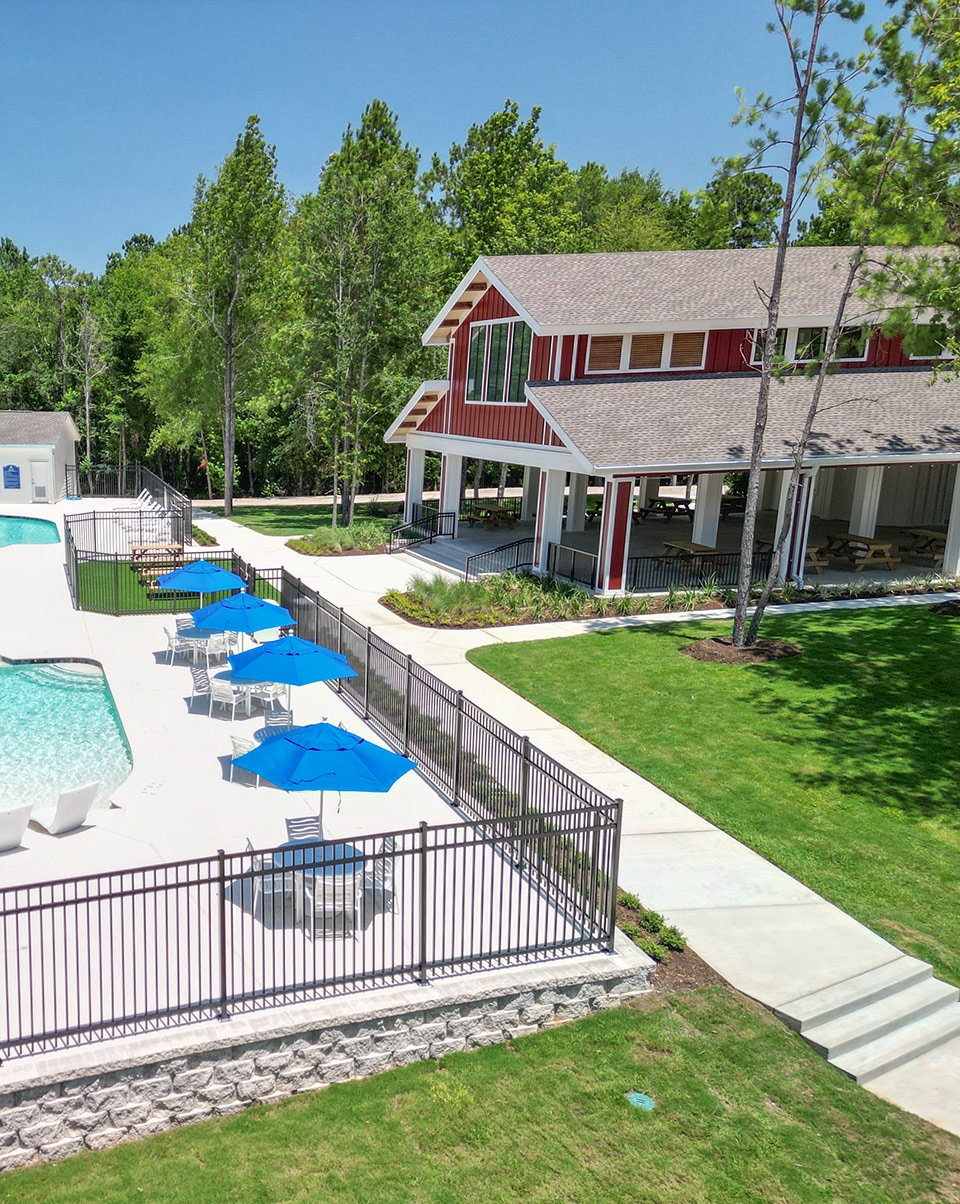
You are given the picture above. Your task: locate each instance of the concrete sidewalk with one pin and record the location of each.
(766, 933)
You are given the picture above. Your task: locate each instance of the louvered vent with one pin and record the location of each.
(646, 351)
(687, 351)
(605, 353)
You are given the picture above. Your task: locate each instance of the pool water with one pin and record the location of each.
(59, 728)
(14, 529)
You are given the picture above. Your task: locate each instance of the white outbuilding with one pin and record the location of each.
(36, 449)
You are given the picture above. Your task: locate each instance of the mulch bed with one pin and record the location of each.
(946, 608)
(345, 552)
(720, 650)
(684, 971)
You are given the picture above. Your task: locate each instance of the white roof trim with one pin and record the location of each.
(428, 386)
(478, 268)
(555, 426)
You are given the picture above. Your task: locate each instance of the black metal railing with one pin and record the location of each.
(421, 509)
(690, 572)
(468, 506)
(573, 564)
(429, 526)
(506, 559)
(176, 504)
(105, 955)
(102, 480)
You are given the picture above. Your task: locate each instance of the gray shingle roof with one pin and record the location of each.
(707, 420)
(42, 427)
(668, 287)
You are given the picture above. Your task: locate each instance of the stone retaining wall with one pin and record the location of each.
(54, 1105)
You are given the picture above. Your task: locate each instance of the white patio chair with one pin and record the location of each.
(224, 694)
(200, 683)
(215, 647)
(241, 746)
(305, 828)
(329, 900)
(183, 622)
(177, 645)
(268, 692)
(71, 810)
(271, 890)
(278, 720)
(13, 824)
(380, 879)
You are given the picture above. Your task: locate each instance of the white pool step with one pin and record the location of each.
(875, 1021)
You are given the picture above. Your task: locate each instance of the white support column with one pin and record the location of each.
(451, 482)
(413, 485)
(577, 502)
(531, 487)
(647, 487)
(866, 500)
(783, 518)
(614, 548)
(706, 514)
(795, 550)
(951, 552)
(549, 524)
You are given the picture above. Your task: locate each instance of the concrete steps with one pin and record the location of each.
(876, 1021)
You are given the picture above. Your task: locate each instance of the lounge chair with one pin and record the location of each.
(13, 824)
(70, 812)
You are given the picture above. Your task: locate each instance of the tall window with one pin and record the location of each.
(498, 362)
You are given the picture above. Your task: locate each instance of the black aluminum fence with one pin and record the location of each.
(486, 769)
(507, 558)
(179, 507)
(691, 572)
(106, 576)
(573, 564)
(102, 480)
(425, 528)
(135, 950)
(468, 506)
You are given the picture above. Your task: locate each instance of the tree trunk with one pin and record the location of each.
(253, 492)
(229, 427)
(206, 463)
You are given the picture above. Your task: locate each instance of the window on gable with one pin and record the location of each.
(646, 352)
(927, 342)
(811, 343)
(758, 336)
(851, 343)
(498, 362)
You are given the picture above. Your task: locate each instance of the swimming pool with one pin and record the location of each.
(14, 529)
(59, 728)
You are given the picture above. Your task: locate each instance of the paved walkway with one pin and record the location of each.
(766, 933)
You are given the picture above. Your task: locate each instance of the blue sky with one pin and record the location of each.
(111, 108)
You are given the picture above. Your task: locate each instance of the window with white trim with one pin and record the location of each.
(498, 361)
(928, 342)
(806, 344)
(678, 351)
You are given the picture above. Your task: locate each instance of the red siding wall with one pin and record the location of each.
(515, 423)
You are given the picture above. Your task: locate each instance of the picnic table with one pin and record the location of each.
(927, 543)
(732, 503)
(152, 560)
(679, 549)
(863, 550)
(492, 514)
(667, 506)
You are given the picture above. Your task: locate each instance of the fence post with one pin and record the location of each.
(116, 584)
(366, 673)
(525, 775)
(614, 872)
(457, 749)
(423, 901)
(406, 707)
(340, 644)
(222, 923)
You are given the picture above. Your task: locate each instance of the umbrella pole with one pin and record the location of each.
(290, 702)
(320, 816)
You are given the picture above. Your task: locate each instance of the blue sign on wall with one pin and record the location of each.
(11, 476)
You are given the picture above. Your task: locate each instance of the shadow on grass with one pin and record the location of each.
(871, 707)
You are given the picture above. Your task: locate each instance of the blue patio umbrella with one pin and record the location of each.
(201, 577)
(323, 757)
(291, 662)
(242, 612)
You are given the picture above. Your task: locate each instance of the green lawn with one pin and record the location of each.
(746, 1113)
(293, 520)
(99, 582)
(841, 765)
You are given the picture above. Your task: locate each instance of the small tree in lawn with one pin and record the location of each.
(235, 233)
(831, 134)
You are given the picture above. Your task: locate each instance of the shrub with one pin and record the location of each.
(203, 538)
(630, 901)
(672, 938)
(652, 948)
(363, 535)
(651, 920)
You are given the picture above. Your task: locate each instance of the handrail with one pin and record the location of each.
(573, 563)
(499, 562)
(424, 529)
